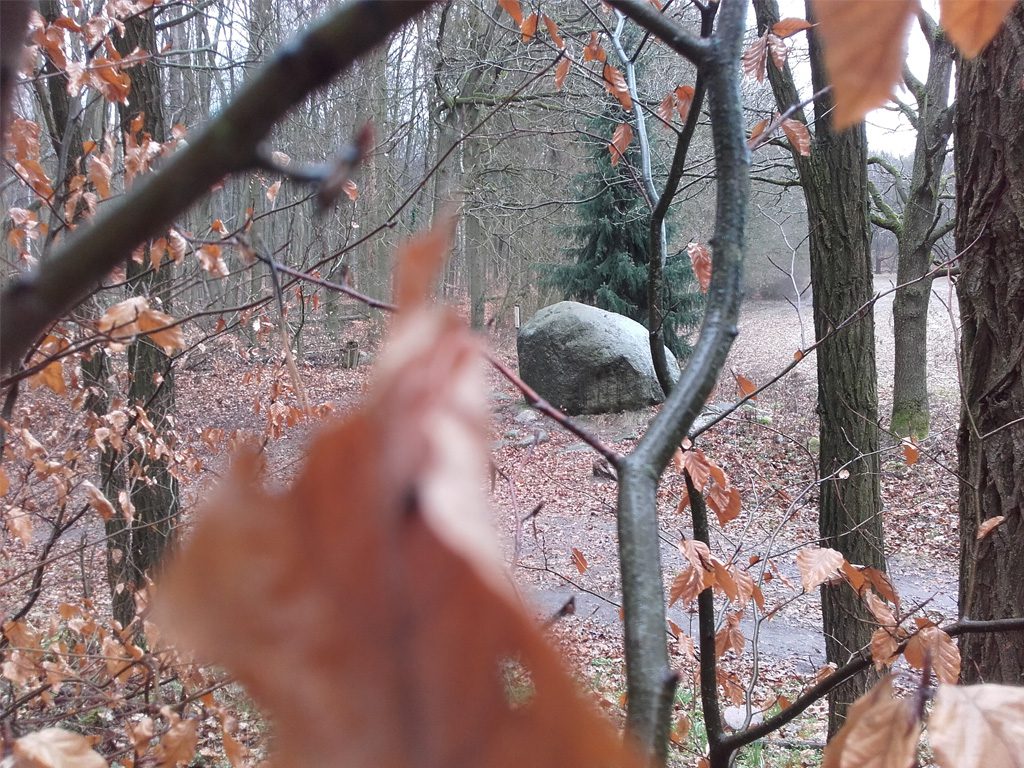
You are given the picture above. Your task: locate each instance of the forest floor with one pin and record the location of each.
(547, 500)
(769, 452)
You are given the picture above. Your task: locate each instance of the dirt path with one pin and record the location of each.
(771, 331)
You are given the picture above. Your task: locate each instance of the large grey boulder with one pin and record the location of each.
(585, 360)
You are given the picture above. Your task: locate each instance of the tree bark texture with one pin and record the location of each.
(834, 180)
(910, 415)
(989, 135)
(135, 549)
(849, 505)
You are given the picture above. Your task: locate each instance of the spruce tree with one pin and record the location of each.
(609, 244)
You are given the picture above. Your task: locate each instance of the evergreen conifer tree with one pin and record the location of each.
(608, 252)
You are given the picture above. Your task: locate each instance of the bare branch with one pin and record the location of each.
(647, 718)
(665, 29)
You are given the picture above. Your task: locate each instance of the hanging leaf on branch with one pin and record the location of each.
(789, 26)
(615, 84)
(755, 59)
(593, 50)
(817, 565)
(561, 70)
(700, 258)
(337, 600)
(513, 9)
(128, 318)
(880, 730)
(977, 726)
(798, 135)
(529, 27)
(620, 141)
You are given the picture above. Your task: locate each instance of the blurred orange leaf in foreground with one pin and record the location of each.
(366, 607)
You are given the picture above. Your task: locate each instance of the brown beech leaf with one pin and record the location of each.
(697, 465)
(132, 316)
(579, 560)
(883, 613)
(561, 71)
(745, 386)
(55, 748)
(366, 606)
(696, 552)
(854, 577)
(52, 376)
(98, 501)
(744, 585)
(155, 325)
(779, 50)
(798, 135)
(620, 141)
(593, 50)
(755, 59)
(529, 27)
(684, 100)
(681, 731)
(732, 687)
(178, 745)
(176, 245)
(513, 9)
(211, 260)
(988, 526)
(273, 190)
(99, 175)
(790, 26)
(667, 107)
(725, 502)
(687, 585)
(865, 44)
(817, 565)
(756, 132)
(730, 637)
(700, 258)
(911, 453)
(421, 258)
(724, 580)
(880, 732)
(881, 583)
(697, 575)
(978, 726)
(971, 24)
(553, 32)
(933, 646)
(884, 647)
(615, 84)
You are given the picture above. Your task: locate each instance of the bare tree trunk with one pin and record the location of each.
(462, 110)
(834, 180)
(989, 233)
(916, 238)
(153, 489)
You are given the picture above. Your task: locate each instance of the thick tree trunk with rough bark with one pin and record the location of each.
(990, 238)
(916, 238)
(834, 180)
(136, 549)
(849, 504)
